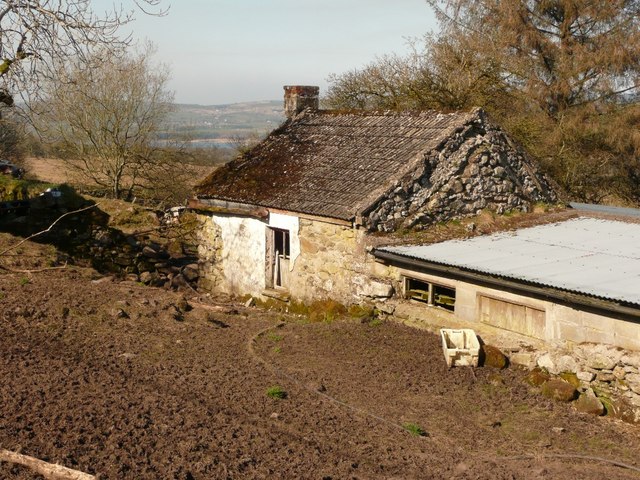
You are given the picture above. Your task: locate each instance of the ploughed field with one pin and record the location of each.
(121, 381)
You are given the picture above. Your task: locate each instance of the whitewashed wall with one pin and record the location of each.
(240, 258)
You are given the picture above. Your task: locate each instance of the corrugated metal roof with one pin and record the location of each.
(589, 207)
(600, 258)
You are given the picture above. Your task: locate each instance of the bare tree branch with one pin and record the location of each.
(48, 229)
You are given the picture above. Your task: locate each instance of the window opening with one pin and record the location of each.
(444, 297)
(281, 242)
(430, 293)
(417, 290)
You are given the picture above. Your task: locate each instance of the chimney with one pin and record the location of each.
(299, 97)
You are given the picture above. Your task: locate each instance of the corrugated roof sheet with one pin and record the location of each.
(599, 258)
(329, 163)
(589, 207)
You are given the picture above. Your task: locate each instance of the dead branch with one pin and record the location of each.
(48, 229)
(35, 270)
(49, 471)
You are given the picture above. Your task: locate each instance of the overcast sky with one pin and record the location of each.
(228, 51)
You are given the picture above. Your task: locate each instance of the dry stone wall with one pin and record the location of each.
(606, 375)
(477, 168)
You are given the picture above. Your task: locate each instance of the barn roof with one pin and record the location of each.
(594, 257)
(332, 164)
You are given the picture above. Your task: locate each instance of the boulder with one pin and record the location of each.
(537, 377)
(190, 272)
(605, 376)
(589, 403)
(586, 376)
(632, 359)
(571, 377)
(559, 390)
(366, 287)
(149, 252)
(526, 359)
(548, 362)
(601, 357)
(566, 363)
(146, 277)
(493, 357)
(633, 381)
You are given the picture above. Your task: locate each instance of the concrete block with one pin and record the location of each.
(526, 359)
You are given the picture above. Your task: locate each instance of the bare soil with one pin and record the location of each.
(104, 377)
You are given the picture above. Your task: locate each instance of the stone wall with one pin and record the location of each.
(609, 377)
(333, 263)
(477, 168)
(327, 260)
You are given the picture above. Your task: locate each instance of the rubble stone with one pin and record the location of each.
(589, 403)
(559, 390)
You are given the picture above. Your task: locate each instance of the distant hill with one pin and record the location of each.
(223, 125)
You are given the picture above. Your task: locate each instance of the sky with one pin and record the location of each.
(230, 51)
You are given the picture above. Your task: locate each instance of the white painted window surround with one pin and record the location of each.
(292, 224)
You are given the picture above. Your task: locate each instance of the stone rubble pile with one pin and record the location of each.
(141, 260)
(606, 379)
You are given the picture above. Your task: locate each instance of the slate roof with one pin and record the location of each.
(593, 257)
(332, 164)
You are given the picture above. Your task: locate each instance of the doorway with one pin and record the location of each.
(278, 258)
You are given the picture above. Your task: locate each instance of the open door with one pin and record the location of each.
(278, 257)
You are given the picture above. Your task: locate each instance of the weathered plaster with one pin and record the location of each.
(327, 260)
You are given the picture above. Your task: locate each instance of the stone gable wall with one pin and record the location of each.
(477, 168)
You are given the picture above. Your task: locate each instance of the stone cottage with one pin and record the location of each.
(292, 217)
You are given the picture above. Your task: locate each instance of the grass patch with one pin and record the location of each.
(277, 349)
(24, 280)
(276, 392)
(415, 429)
(274, 337)
(376, 322)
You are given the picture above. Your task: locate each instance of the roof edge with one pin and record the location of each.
(629, 310)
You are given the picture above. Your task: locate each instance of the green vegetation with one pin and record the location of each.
(276, 392)
(414, 429)
(274, 337)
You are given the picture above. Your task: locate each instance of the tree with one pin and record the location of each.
(560, 53)
(441, 74)
(562, 76)
(107, 120)
(36, 34)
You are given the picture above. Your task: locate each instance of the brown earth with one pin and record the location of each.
(55, 170)
(119, 380)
